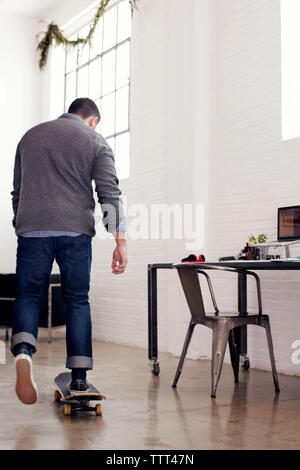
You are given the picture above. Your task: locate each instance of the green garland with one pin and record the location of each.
(55, 34)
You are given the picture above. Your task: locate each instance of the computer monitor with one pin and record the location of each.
(288, 223)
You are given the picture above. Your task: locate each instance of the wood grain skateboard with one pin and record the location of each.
(76, 401)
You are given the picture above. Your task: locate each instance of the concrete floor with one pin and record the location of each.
(144, 412)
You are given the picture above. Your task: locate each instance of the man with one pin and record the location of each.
(55, 165)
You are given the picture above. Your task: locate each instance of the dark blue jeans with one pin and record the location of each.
(35, 258)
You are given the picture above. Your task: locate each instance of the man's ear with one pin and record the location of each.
(96, 121)
(91, 122)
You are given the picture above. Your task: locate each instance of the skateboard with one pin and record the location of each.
(76, 401)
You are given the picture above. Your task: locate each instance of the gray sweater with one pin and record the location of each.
(55, 165)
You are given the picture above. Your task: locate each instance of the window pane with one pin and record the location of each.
(123, 65)
(83, 50)
(96, 47)
(122, 155)
(70, 89)
(124, 21)
(71, 56)
(95, 79)
(110, 29)
(122, 101)
(109, 72)
(83, 82)
(108, 114)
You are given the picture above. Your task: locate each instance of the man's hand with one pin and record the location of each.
(119, 261)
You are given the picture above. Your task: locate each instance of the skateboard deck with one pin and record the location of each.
(77, 401)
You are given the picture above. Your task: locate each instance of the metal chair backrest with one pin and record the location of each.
(198, 268)
(191, 286)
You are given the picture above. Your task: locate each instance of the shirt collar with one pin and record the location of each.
(71, 115)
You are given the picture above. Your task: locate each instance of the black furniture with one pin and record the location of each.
(7, 298)
(53, 313)
(243, 266)
(224, 326)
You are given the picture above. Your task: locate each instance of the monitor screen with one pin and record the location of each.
(288, 223)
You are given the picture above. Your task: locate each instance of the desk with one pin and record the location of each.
(272, 265)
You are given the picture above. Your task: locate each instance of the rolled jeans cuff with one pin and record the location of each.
(23, 337)
(79, 362)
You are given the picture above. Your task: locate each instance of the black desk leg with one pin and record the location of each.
(152, 319)
(242, 307)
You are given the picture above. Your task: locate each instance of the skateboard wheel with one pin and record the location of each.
(57, 395)
(99, 410)
(67, 410)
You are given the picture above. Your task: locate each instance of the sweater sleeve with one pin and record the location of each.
(108, 191)
(16, 185)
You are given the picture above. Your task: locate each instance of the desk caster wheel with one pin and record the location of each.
(155, 368)
(246, 364)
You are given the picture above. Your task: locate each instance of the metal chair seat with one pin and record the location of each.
(231, 315)
(224, 325)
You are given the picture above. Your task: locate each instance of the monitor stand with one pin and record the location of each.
(276, 243)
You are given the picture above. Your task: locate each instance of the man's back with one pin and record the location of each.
(55, 164)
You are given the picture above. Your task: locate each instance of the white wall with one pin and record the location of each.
(219, 67)
(120, 302)
(169, 141)
(19, 101)
(252, 171)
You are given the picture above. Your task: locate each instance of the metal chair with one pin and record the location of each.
(224, 327)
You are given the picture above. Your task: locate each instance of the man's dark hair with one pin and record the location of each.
(85, 107)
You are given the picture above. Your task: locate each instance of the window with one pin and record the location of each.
(290, 68)
(102, 72)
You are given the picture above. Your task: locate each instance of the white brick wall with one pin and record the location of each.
(252, 172)
(169, 55)
(119, 303)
